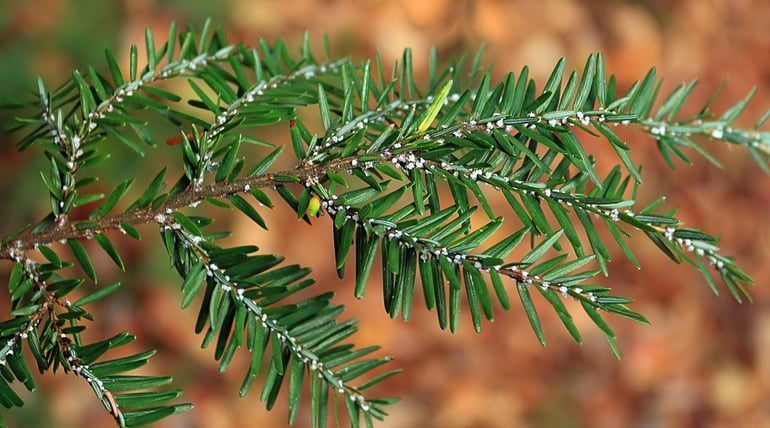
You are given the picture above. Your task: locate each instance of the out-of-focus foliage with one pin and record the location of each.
(626, 57)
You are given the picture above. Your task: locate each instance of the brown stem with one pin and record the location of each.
(188, 197)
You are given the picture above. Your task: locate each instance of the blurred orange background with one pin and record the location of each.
(699, 364)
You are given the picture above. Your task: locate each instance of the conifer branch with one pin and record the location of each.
(421, 177)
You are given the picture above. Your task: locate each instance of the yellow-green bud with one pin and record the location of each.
(314, 206)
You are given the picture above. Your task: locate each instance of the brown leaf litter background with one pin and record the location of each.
(703, 361)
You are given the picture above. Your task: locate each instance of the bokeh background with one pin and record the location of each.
(703, 361)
